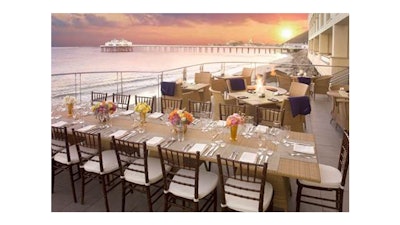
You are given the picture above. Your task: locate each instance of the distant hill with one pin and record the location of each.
(301, 38)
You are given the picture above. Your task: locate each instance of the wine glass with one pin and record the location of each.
(205, 118)
(286, 135)
(133, 117)
(249, 121)
(171, 130)
(261, 141)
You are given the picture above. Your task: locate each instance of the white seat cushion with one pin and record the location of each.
(57, 145)
(86, 152)
(110, 163)
(247, 205)
(155, 172)
(207, 183)
(61, 157)
(330, 177)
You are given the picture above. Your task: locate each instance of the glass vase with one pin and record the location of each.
(234, 130)
(70, 108)
(143, 117)
(180, 130)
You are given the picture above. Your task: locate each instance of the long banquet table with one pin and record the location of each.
(282, 165)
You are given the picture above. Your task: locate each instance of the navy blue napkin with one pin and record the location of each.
(304, 80)
(168, 88)
(300, 105)
(237, 84)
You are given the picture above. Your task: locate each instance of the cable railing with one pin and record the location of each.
(80, 84)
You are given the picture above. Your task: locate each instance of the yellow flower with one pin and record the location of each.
(142, 107)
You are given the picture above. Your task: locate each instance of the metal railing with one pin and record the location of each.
(80, 84)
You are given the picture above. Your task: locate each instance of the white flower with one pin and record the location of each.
(69, 99)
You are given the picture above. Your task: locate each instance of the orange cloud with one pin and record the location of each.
(95, 29)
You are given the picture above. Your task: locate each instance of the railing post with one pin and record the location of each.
(184, 74)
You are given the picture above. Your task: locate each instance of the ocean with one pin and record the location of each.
(85, 69)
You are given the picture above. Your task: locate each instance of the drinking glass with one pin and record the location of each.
(249, 122)
(205, 118)
(133, 117)
(171, 130)
(286, 135)
(261, 141)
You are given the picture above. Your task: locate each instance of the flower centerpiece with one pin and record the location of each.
(180, 118)
(69, 102)
(233, 122)
(143, 108)
(102, 110)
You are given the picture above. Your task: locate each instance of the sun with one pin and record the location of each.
(286, 33)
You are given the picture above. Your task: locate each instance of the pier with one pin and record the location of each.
(105, 48)
(208, 49)
(225, 49)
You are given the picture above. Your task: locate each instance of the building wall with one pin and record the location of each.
(328, 40)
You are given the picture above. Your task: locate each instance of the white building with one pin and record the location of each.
(328, 41)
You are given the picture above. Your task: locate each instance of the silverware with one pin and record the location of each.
(129, 136)
(185, 148)
(214, 136)
(188, 147)
(209, 149)
(308, 156)
(214, 150)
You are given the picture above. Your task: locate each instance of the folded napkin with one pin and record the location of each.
(307, 149)
(304, 80)
(248, 157)
(118, 133)
(84, 129)
(261, 129)
(59, 124)
(237, 84)
(155, 115)
(300, 105)
(154, 141)
(221, 123)
(198, 148)
(168, 88)
(127, 112)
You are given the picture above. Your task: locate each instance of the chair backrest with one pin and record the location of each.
(295, 123)
(98, 97)
(321, 84)
(59, 141)
(216, 100)
(149, 100)
(284, 81)
(242, 180)
(227, 110)
(190, 95)
(88, 145)
(184, 168)
(122, 101)
(247, 72)
(267, 116)
(236, 84)
(298, 89)
(219, 85)
(197, 107)
(169, 104)
(343, 164)
(132, 153)
(202, 77)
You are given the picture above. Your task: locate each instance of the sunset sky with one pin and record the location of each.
(71, 29)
